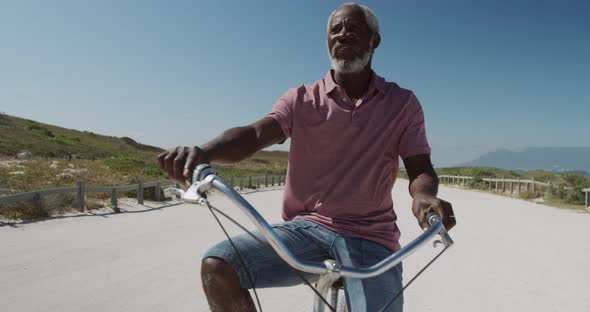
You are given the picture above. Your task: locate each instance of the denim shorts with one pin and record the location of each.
(314, 243)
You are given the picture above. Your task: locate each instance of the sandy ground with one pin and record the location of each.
(510, 255)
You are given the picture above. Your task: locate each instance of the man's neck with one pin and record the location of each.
(355, 84)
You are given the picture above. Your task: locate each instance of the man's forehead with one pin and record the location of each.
(349, 13)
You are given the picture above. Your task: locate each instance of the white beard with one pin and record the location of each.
(350, 66)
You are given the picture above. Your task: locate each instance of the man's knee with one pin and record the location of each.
(216, 272)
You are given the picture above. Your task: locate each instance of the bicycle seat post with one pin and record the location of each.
(325, 282)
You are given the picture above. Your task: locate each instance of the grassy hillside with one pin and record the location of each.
(99, 161)
(17, 134)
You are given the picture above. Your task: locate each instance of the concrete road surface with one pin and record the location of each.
(510, 255)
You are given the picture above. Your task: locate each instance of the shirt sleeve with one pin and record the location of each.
(413, 138)
(282, 112)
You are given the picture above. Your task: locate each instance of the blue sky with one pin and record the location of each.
(489, 74)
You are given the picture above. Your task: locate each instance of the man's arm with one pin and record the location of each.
(423, 189)
(237, 144)
(232, 146)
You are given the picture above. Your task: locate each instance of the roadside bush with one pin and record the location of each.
(60, 203)
(23, 210)
(528, 195)
(571, 190)
(476, 182)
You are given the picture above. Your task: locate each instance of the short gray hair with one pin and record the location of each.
(369, 16)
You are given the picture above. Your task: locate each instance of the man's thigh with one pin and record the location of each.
(370, 294)
(258, 265)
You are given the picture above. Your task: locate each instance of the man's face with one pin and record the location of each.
(350, 40)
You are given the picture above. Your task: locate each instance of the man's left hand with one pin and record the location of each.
(424, 204)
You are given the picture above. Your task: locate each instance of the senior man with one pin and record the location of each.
(347, 132)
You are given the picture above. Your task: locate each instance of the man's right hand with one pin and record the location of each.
(180, 162)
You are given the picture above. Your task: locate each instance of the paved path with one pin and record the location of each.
(510, 255)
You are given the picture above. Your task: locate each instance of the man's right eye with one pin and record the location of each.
(336, 29)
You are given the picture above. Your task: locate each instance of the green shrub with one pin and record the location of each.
(152, 170)
(62, 139)
(23, 210)
(570, 190)
(126, 164)
(40, 131)
(528, 195)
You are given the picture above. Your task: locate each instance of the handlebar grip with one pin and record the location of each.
(201, 172)
(432, 218)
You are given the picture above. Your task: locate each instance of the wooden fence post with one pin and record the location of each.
(157, 194)
(140, 192)
(37, 201)
(534, 187)
(250, 182)
(266, 180)
(241, 183)
(503, 185)
(496, 180)
(518, 185)
(511, 188)
(81, 190)
(114, 199)
(258, 182)
(272, 180)
(588, 198)
(232, 181)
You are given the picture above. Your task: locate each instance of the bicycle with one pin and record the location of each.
(205, 178)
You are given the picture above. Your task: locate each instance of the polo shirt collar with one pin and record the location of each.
(377, 82)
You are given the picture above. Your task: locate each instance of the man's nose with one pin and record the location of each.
(345, 36)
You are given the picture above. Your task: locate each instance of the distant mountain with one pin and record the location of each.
(18, 134)
(558, 159)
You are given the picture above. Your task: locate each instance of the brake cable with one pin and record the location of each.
(413, 278)
(213, 210)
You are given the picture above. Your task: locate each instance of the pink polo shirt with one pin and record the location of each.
(344, 157)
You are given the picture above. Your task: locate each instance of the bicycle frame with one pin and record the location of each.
(205, 179)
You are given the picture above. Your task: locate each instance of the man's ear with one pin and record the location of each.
(376, 41)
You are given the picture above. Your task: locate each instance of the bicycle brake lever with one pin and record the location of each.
(195, 194)
(444, 235)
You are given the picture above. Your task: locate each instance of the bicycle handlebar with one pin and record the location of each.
(205, 178)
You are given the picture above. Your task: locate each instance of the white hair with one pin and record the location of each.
(370, 16)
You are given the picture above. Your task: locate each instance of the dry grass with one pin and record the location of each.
(17, 176)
